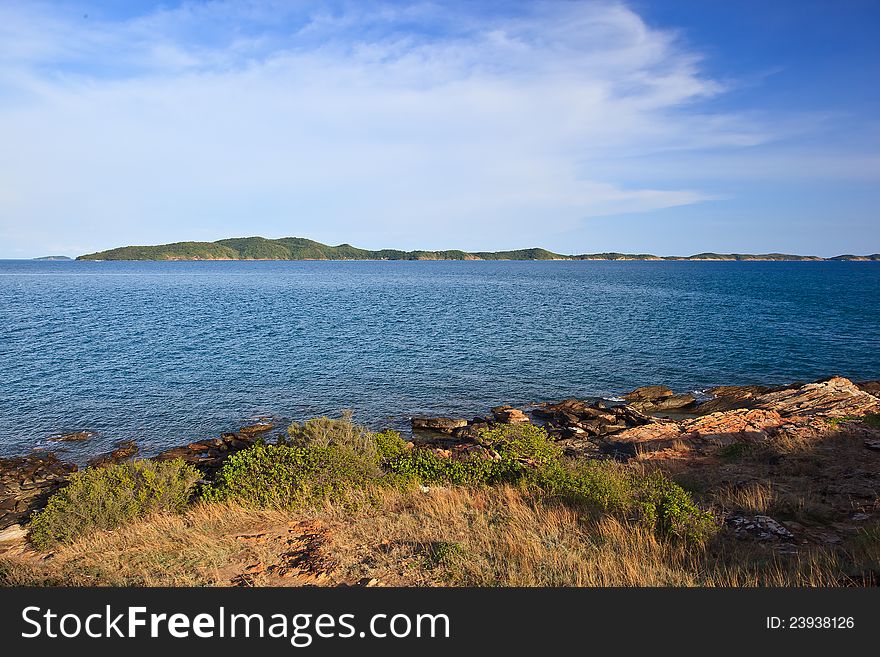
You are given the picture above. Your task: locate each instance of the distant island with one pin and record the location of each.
(54, 258)
(298, 248)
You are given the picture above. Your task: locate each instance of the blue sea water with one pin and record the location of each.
(168, 352)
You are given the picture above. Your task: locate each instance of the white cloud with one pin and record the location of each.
(404, 126)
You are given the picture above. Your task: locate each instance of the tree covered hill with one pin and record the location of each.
(300, 248)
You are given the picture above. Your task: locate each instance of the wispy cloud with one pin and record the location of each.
(412, 124)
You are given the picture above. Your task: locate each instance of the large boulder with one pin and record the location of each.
(122, 450)
(648, 393)
(729, 398)
(509, 415)
(440, 424)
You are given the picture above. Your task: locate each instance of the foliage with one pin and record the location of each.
(671, 510)
(286, 476)
(735, 450)
(104, 498)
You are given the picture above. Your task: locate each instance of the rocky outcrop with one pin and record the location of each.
(123, 449)
(509, 415)
(208, 455)
(572, 417)
(871, 387)
(26, 482)
(655, 399)
(729, 398)
(73, 437)
(439, 424)
(836, 397)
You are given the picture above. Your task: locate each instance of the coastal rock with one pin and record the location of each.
(73, 437)
(123, 449)
(441, 424)
(648, 394)
(834, 397)
(681, 403)
(257, 429)
(871, 387)
(743, 425)
(573, 419)
(644, 439)
(509, 415)
(729, 398)
(26, 482)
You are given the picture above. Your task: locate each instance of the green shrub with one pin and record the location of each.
(287, 476)
(671, 510)
(521, 443)
(427, 467)
(104, 498)
(603, 485)
(736, 451)
(518, 449)
(327, 432)
(389, 446)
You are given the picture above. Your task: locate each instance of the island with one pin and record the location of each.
(54, 258)
(299, 248)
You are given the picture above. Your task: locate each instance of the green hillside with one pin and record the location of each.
(300, 248)
(175, 251)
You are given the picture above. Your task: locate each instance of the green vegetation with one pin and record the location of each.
(105, 498)
(177, 251)
(325, 458)
(299, 248)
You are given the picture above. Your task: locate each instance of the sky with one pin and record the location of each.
(670, 127)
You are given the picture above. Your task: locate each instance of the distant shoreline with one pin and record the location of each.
(301, 249)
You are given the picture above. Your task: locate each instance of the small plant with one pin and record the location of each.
(735, 451)
(444, 553)
(671, 510)
(105, 498)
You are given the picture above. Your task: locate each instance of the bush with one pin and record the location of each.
(287, 476)
(518, 450)
(427, 467)
(605, 486)
(105, 498)
(671, 510)
(522, 443)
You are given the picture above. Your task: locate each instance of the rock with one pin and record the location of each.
(12, 533)
(73, 437)
(871, 387)
(441, 424)
(124, 449)
(509, 415)
(648, 393)
(762, 528)
(728, 398)
(669, 403)
(743, 425)
(27, 482)
(644, 439)
(834, 397)
(254, 430)
(873, 445)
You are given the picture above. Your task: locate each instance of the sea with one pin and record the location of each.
(164, 353)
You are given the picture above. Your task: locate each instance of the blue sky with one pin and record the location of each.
(667, 127)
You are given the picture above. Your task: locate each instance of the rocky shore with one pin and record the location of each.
(652, 424)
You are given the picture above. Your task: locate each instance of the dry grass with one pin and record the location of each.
(752, 498)
(448, 536)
